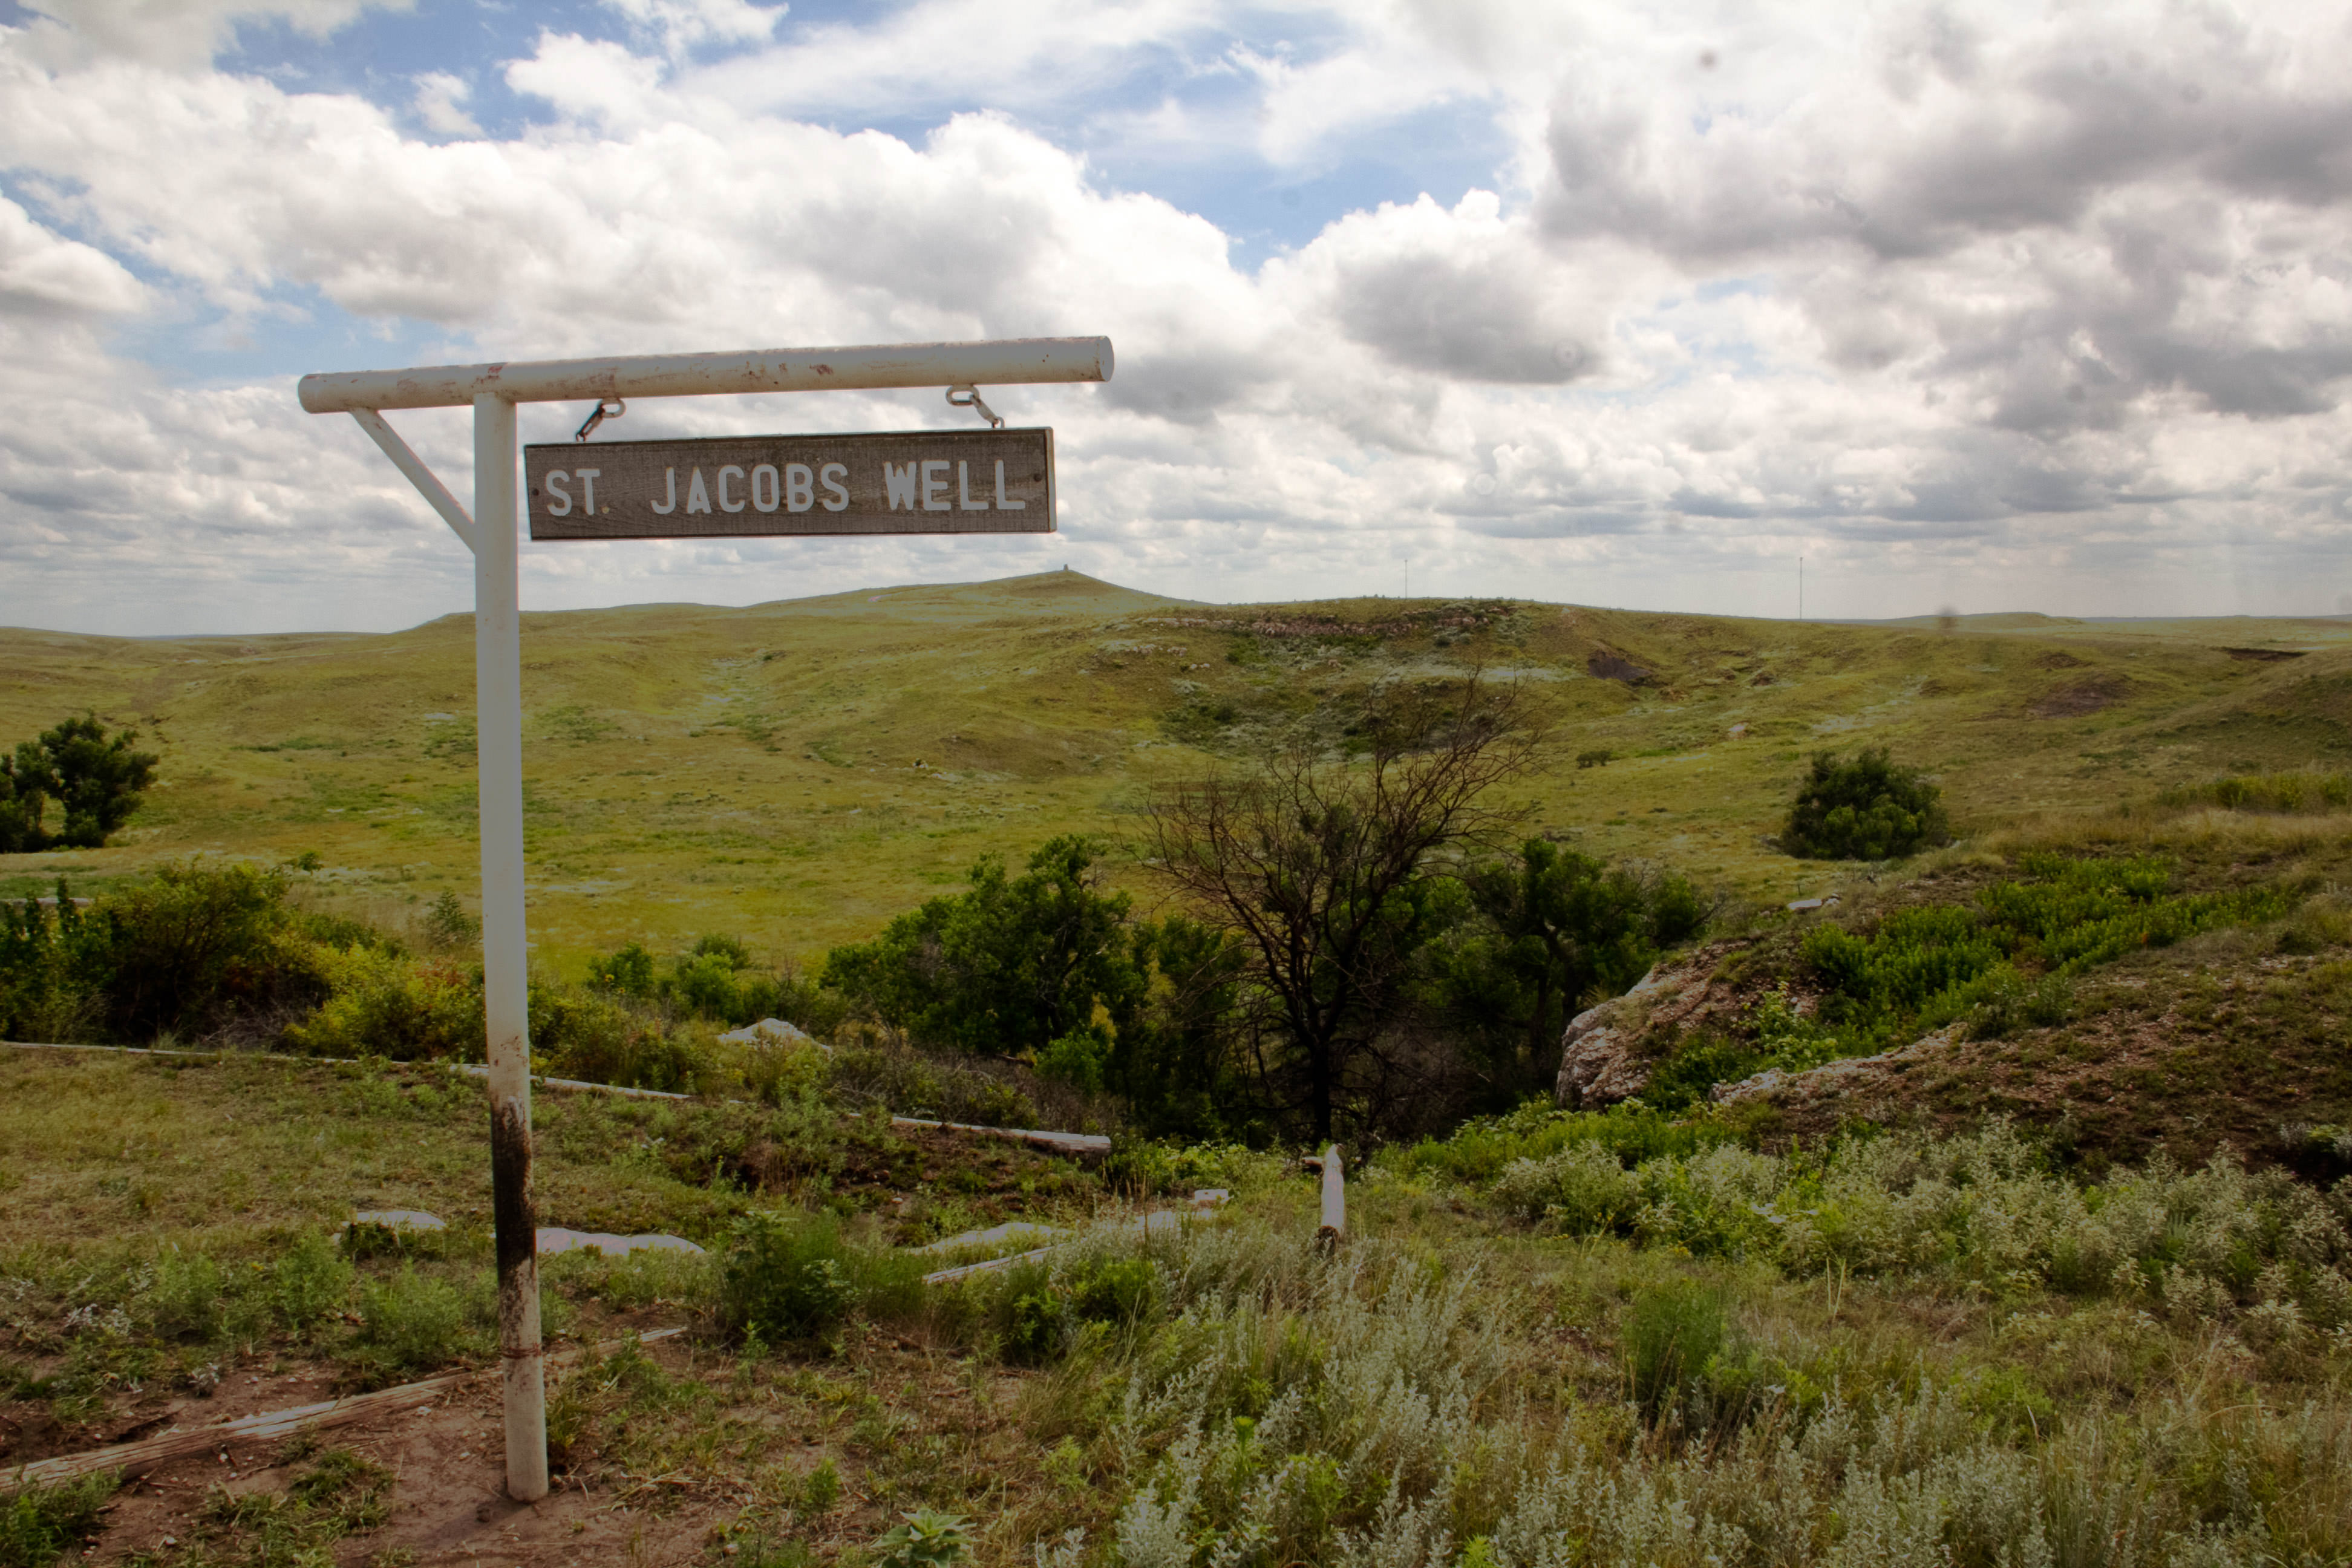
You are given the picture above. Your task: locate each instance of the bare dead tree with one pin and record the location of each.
(1321, 865)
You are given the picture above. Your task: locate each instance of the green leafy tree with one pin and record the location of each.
(195, 938)
(94, 782)
(1553, 929)
(1012, 964)
(1180, 1063)
(1866, 809)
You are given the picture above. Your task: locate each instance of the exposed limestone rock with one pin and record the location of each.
(1853, 1077)
(774, 1032)
(1607, 1052)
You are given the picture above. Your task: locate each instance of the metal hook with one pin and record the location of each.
(606, 408)
(970, 399)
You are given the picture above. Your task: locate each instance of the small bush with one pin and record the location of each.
(40, 1524)
(2009, 1002)
(925, 1539)
(309, 1282)
(873, 1068)
(820, 1493)
(1582, 1188)
(382, 1004)
(1866, 809)
(1672, 1333)
(447, 923)
(1119, 1291)
(790, 1279)
(628, 972)
(415, 1321)
(603, 1040)
(1684, 1078)
(185, 1302)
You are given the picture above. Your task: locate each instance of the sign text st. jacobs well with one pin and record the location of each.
(914, 481)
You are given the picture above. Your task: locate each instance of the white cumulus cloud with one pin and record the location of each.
(1964, 304)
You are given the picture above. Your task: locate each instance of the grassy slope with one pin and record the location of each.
(799, 772)
(2118, 1424)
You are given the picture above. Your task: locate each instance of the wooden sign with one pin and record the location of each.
(910, 481)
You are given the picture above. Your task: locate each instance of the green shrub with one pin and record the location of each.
(704, 982)
(311, 1281)
(1118, 1291)
(1672, 1333)
(925, 1540)
(1008, 965)
(1480, 1150)
(447, 923)
(874, 1069)
(790, 1279)
(1076, 1059)
(415, 1321)
(820, 1493)
(1582, 1188)
(1866, 809)
(1695, 1066)
(599, 1039)
(38, 1524)
(629, 972)
(2005, 961)
(53, 971)
(186, 1300)
(380, 1003)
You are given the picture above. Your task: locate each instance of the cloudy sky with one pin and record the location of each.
(2029, 307)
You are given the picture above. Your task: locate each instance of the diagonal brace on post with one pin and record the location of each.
(428, 485)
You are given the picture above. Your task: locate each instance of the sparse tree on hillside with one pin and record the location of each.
(1321, 869)
(94, 782)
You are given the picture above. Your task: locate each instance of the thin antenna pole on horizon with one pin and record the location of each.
(1801, 588)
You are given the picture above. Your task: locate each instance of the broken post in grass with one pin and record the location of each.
(1334, 1199)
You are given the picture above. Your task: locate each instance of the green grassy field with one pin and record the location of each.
(1548, 1340)
(797, 773)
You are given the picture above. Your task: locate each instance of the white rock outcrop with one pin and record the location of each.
(1608, 1051)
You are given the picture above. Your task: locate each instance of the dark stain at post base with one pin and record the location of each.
(510, 1193)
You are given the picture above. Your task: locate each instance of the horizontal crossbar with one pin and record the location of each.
(1007, 362)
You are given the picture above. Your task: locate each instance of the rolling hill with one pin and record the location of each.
(798, 771)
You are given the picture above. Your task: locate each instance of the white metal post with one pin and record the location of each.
(506, 984)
